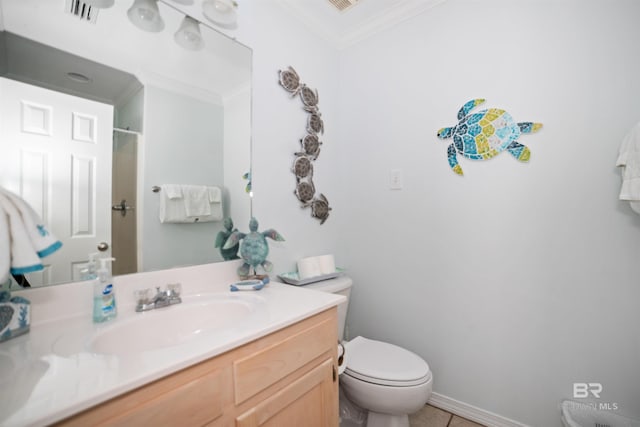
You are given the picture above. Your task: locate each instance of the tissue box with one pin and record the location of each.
(15, 318)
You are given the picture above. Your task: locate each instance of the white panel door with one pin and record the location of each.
(55, 152)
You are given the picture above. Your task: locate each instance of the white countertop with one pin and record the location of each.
(51, 372)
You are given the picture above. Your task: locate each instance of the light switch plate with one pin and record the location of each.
(395, 179)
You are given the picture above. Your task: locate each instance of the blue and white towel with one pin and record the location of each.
(24, 239)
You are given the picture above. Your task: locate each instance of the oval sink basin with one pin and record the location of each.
(170, 326)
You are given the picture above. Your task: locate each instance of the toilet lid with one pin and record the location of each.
(383, 363)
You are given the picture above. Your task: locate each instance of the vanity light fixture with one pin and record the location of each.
(145, 15)
(221, 12)
(188, 35)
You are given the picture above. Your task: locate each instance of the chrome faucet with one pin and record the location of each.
(162, 298)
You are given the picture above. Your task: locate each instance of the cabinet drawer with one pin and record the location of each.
(308, 401)
(192, 404)
(256, 372)
(179, 399)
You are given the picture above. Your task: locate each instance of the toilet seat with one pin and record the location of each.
(382, 363)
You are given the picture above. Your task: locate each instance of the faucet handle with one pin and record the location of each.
(173, 292)
(142, 296)
(174, 289)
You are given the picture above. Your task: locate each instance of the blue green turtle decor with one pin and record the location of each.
(222, 237)
(485, 134)
(253, 249)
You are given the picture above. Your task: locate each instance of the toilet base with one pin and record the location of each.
(351, 415)
(376, 419)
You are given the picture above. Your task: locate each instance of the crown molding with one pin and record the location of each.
(385, 19)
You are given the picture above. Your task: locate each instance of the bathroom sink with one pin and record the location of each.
(173, 325)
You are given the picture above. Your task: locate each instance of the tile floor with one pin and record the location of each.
(430, 416)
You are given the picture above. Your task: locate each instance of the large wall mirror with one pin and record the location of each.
(95, 113)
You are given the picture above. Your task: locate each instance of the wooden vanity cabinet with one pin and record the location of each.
(287, 378)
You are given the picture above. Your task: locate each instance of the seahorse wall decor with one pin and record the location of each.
(303, 163)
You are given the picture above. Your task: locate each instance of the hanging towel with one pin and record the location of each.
(215, 195)
(172, 191)
(5, 247)
(42, 240)
(197, 203)
(629, 161)
(23, 233)
(196, 200)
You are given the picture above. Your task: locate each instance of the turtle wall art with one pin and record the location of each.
(485, 134)
(302, 167)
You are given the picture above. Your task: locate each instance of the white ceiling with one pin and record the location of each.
(363, 20)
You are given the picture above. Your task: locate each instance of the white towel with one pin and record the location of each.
(174, 210)
(172, 191)
(196, 200)
(629, 161)
(42, 240)
(24, 235)
(215, 195)
(5, 247)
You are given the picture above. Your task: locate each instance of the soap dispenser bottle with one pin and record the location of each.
(104, 294)
(90, 272)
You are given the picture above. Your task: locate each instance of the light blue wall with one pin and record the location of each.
(183, 144)
(516, 280)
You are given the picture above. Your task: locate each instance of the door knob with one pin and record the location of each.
(122, 207)
(103, 246)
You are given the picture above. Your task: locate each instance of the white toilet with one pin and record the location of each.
(385, 381)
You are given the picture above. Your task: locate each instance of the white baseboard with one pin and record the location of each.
(471, 412)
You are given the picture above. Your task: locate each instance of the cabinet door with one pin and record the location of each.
(310, 401)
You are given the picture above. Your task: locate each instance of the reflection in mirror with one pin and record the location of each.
(93, 115)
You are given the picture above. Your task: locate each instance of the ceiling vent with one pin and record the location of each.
(343, 5)
(82, 10)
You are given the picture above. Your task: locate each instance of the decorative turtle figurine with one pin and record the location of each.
(483, 135)
(290, 80)
(223, 236)
(305, 190)
(309, 98)
(319, 208)
(310, 145)
(254, 248)
(315, 124)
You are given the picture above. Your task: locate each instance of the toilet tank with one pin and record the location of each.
(341, 286)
